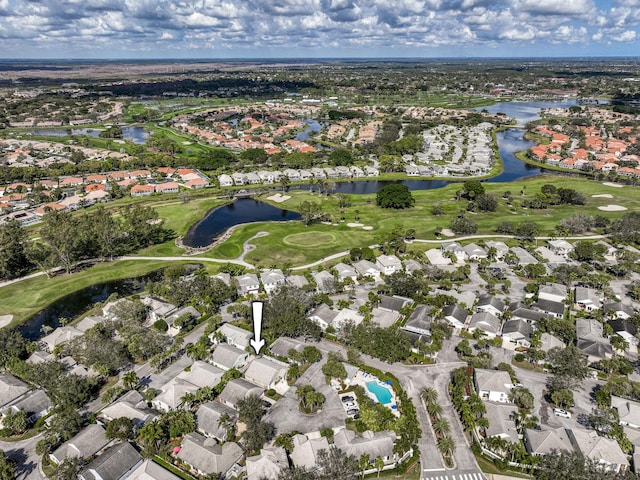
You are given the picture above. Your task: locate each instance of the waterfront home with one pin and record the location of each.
(225, 180)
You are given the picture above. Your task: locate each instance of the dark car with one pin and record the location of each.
(353, 411)
(347, 399)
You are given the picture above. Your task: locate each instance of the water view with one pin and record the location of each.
(243, 210)
(133, 134)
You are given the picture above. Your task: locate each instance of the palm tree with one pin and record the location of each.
(227, 423)
(434, 410)
(378, 463)
(363, 463)
(130, 380)
(150, 437)
(441, 427)
(429, 396)
(447, 446)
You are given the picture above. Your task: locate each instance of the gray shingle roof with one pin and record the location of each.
(206, 455)
(113, 464)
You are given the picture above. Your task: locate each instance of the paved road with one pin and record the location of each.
(24, 455)
(457, 475)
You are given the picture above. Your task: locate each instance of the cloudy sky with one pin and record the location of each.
(317, 28)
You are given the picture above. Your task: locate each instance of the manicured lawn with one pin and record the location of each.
(296, 244)
(26, 298)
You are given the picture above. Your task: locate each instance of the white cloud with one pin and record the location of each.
(628, 36)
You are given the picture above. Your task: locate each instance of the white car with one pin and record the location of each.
(561, 413)
(351, 405)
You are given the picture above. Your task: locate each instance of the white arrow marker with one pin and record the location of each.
(257, 342)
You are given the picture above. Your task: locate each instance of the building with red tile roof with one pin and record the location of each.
(142, 190)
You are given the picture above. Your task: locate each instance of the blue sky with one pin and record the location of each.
(317, 28)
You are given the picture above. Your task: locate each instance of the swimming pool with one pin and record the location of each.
(381, 393)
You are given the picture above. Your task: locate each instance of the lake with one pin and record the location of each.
(133, 134)
(243, 210)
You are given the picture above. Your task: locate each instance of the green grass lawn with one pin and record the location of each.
(26, 298)
(296, 244)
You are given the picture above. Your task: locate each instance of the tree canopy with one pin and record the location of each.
(394, 195)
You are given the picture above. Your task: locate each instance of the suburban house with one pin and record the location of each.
(388, 264)
(345, 272)
(59, 336)
(628, 411)
(544, 442)
(236, 336)
(436, 257)
(553, 292)
(323, 315)
(268, 373)
(158, 309)
(523, 257)
(248, 284)
(491, 304)
(298, 281)
(366, 268)
(131, 405)
(272, 279)
(305, 450)
(379, 444)
(208, 418)
(205, 456)
(35, 405)
(227, 357)
(486, 322)
(618, 310)
(500, 248)
(325, 282)
(346, 315)
(150, 470)
(590, 340)
(11, 389)
(225, 180)
(560, 247)
(116, 462)
(202, 374)
(604, 451)
(172, 393)
(89, 441)
(518, 332)
(501, 423)
(549, 307)
(394, 303)
(492, 385)
(412, 265)
(475, 252)
(586, 299)
(268, 464)
(236, 390)
(625, 328)
(181, 318)
(455, 249)
(420, 320)
(455, 315)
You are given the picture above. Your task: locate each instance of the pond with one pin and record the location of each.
(75, 304)
(312, 126)
(243, 210)
(525, 112)
(133, 134)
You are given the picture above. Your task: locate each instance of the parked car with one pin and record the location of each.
(353, 411)
(561, 413)
(351, 405)
(347, 399)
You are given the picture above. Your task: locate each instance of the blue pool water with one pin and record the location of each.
(382, 394)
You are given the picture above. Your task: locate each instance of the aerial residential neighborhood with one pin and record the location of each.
(266, 270)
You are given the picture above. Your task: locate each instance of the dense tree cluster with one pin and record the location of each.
(388, 344)
(285, 314)
(66, 239)
(258, 432)
(394, 195)
(13, 250)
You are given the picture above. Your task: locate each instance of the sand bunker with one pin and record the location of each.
(367, 227)
(447, 233)
(5, 320)
(355, 225)
(612, 208)
(609, 184)
(603, 195)
(279, 198)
